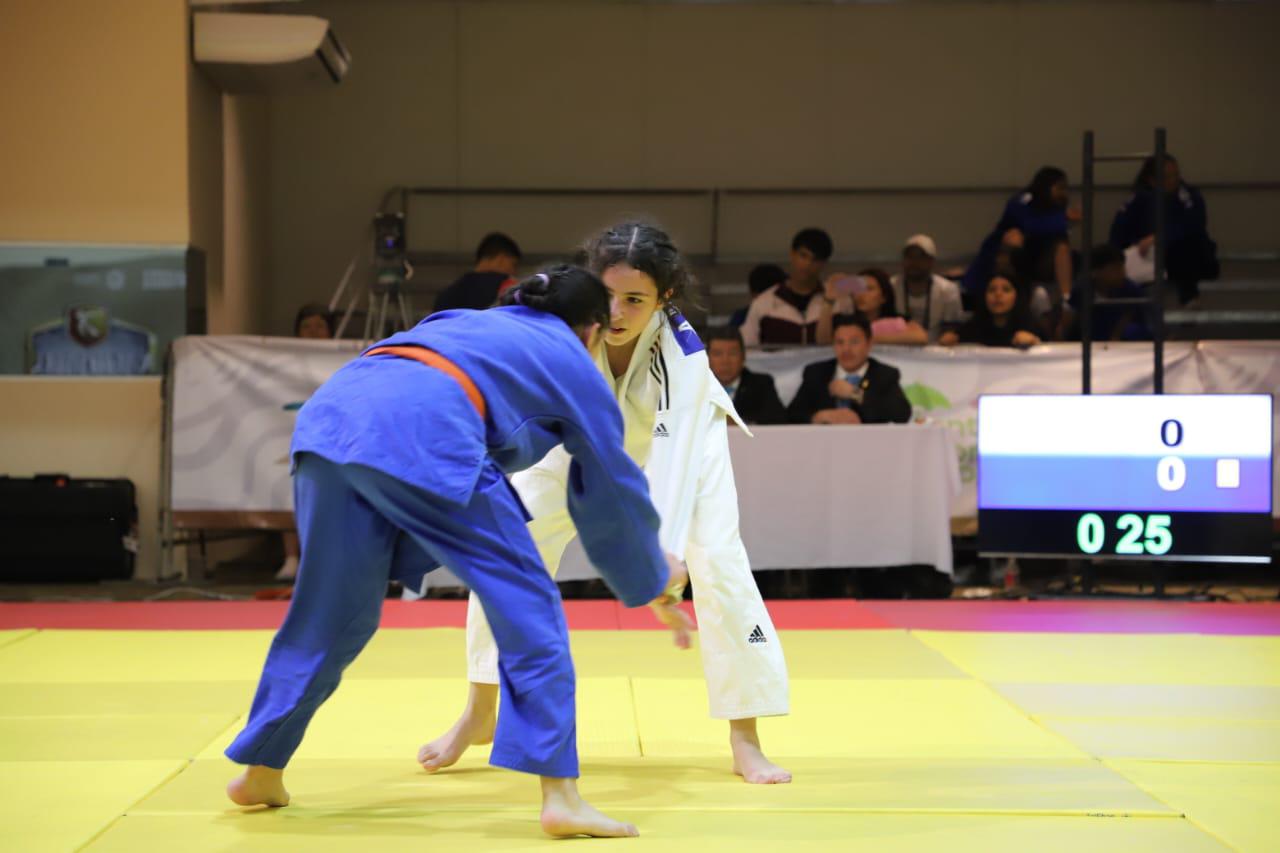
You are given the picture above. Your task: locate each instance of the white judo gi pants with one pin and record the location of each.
(742, 660)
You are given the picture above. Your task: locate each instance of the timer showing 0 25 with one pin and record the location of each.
(1153, 531)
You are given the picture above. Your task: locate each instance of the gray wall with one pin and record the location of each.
(905, 95)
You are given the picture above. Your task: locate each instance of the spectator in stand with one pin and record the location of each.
(1190, 255)
(1002, 319)
(1044, 313)
(799, 310)
(1111, 322)
(314, 322)
(877, 302)
(921, 295)
(753, 394)
(497, 258)
(1035, 221)
(761, 278)
(851, 388)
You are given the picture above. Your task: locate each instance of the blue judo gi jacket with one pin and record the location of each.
(541, 389)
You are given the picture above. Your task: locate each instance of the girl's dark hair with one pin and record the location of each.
(312, 310)
(646, 248)
(890, 306)
(1146, 177)
(1041, 186)
(571, 293)
(1021, 310)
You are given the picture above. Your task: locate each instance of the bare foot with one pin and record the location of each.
(565, 814)
(474, 727)
(749, 761)
(258, 786)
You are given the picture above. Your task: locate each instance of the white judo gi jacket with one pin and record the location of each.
(676, 415)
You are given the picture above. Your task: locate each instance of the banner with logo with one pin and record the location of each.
(235, 399)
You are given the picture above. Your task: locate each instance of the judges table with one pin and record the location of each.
(831, 496)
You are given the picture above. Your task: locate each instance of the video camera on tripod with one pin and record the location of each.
(391, 269)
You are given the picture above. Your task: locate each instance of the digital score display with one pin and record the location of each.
(1163, 477)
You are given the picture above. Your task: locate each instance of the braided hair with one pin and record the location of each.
(571, 293)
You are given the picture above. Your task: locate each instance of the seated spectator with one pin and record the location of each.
(753, 394)
(314, 322)
(1044, 313)
(1111, 322)
(799, 310)
(851, 388)
(921, 295)
(497, 258)
(1002, 319)
(1035, 221)
(761, 278)
(1190, 255)
(876, 302)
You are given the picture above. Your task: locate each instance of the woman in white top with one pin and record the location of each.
(676, 418)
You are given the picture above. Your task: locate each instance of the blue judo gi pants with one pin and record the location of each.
(352, 522)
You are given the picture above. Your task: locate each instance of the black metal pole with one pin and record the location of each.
(1085, 279)
(1157, 334)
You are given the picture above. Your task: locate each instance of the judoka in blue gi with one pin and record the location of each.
(399, 463)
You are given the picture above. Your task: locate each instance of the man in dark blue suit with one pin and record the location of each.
(851, 388)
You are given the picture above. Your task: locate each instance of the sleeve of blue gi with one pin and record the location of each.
(608, 499)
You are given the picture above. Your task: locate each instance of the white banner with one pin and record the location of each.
(235, 399)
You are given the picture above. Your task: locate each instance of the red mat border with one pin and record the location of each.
(1123, 617)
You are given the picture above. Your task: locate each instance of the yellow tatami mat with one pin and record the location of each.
(124, 698)
(112, 741)
(1239, 803)
(7, 637)
(401, 830)
(90, 657)
(143, 738)
(1173, 739)
(1174, 701)
(1188, 659)
(60, 805)
(876, 718)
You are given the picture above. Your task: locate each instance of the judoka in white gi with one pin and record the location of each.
(676, 417)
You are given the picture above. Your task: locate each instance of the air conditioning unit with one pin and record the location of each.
(249, 52)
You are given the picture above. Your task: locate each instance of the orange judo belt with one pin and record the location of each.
(439, 362)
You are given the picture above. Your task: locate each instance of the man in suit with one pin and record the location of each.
(753, 394)
(851, 388)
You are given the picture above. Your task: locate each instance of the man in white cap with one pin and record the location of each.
(928, 299)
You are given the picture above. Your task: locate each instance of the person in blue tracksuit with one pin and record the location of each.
(1191, 255)
(1033, 227)
(399, 463)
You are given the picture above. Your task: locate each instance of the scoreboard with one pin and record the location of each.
(1167, 477)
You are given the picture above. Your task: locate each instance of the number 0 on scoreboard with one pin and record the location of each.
(1171, 477)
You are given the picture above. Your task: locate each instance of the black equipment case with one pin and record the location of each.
(57, 528)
